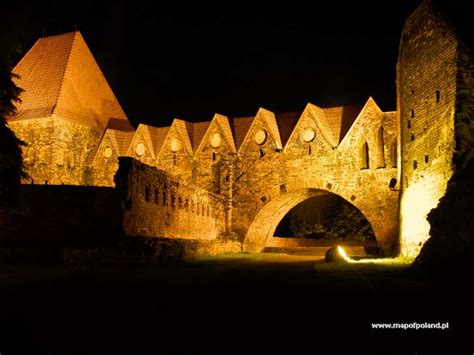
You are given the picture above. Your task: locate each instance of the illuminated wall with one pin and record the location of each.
(256, 169)
(157, 205)
(58, 152)
(319, 156)
(426, 89)
(248, 171)
(65, 108)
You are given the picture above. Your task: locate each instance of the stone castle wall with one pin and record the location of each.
(464, 116)
(157, 205)
(178, 183)
(58, 152)
(269, 186)
(239, 186)
(426, 86)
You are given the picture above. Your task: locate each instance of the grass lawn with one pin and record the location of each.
(235, 303)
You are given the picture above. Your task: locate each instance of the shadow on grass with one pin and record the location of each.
(236, 303)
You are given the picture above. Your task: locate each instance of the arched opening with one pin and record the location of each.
(325, 217)
(263, 227)
(380, 149)
(364, 156)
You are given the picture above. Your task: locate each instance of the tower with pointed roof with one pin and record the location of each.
(242, 175)
(66, 107)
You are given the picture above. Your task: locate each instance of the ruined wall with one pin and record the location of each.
(464, 115)
(451, 246)
(157, 205)
(426, 90)
(58, 152)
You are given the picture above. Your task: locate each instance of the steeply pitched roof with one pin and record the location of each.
(286, 123)
(198, 132)
(369, 111)
(121, 140)
(224, 124)
(339, 120)
(218, 122)
(41, 73)
(120, 125)
(157, 136)
(269, 119)
(240, 127)
(185, 128)
(60, 76)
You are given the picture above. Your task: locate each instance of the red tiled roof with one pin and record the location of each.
(121, 140)
(157, 136)
(198, 131)
(240, 127)
(60, 76)
(339, 120)
(120, 125)
(286, 124)
(224, 124)
(41, 73)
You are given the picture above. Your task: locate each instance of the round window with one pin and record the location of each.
(140, 149)
(108, 152)
(175, 145)
(216, 140)
(308, 134)
(260, 136)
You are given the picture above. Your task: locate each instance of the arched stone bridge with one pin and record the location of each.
(250, 177)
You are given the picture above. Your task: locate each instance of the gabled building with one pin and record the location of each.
(66, 107)
(114, 144)
(244, 174)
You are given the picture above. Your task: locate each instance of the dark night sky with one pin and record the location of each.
(191, 60)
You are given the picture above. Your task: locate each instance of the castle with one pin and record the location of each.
(240, 176)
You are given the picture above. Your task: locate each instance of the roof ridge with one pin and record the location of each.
(322, 122)
(64, 72)
(59, 34)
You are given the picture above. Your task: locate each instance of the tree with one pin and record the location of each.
(11, 161)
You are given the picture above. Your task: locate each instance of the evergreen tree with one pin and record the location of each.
(11, 160)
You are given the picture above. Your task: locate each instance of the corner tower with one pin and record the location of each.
(429, 99)
(66, 106)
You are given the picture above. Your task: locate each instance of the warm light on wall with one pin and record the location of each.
(418, 199)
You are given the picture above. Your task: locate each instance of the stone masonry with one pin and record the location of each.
(238, 177)
(435, 98)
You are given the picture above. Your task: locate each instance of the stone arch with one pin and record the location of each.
(264, 224)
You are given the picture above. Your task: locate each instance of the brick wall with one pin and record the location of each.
(58, 151)
(179, 163)
(157, 205)
(426, 89)
(270, 185)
